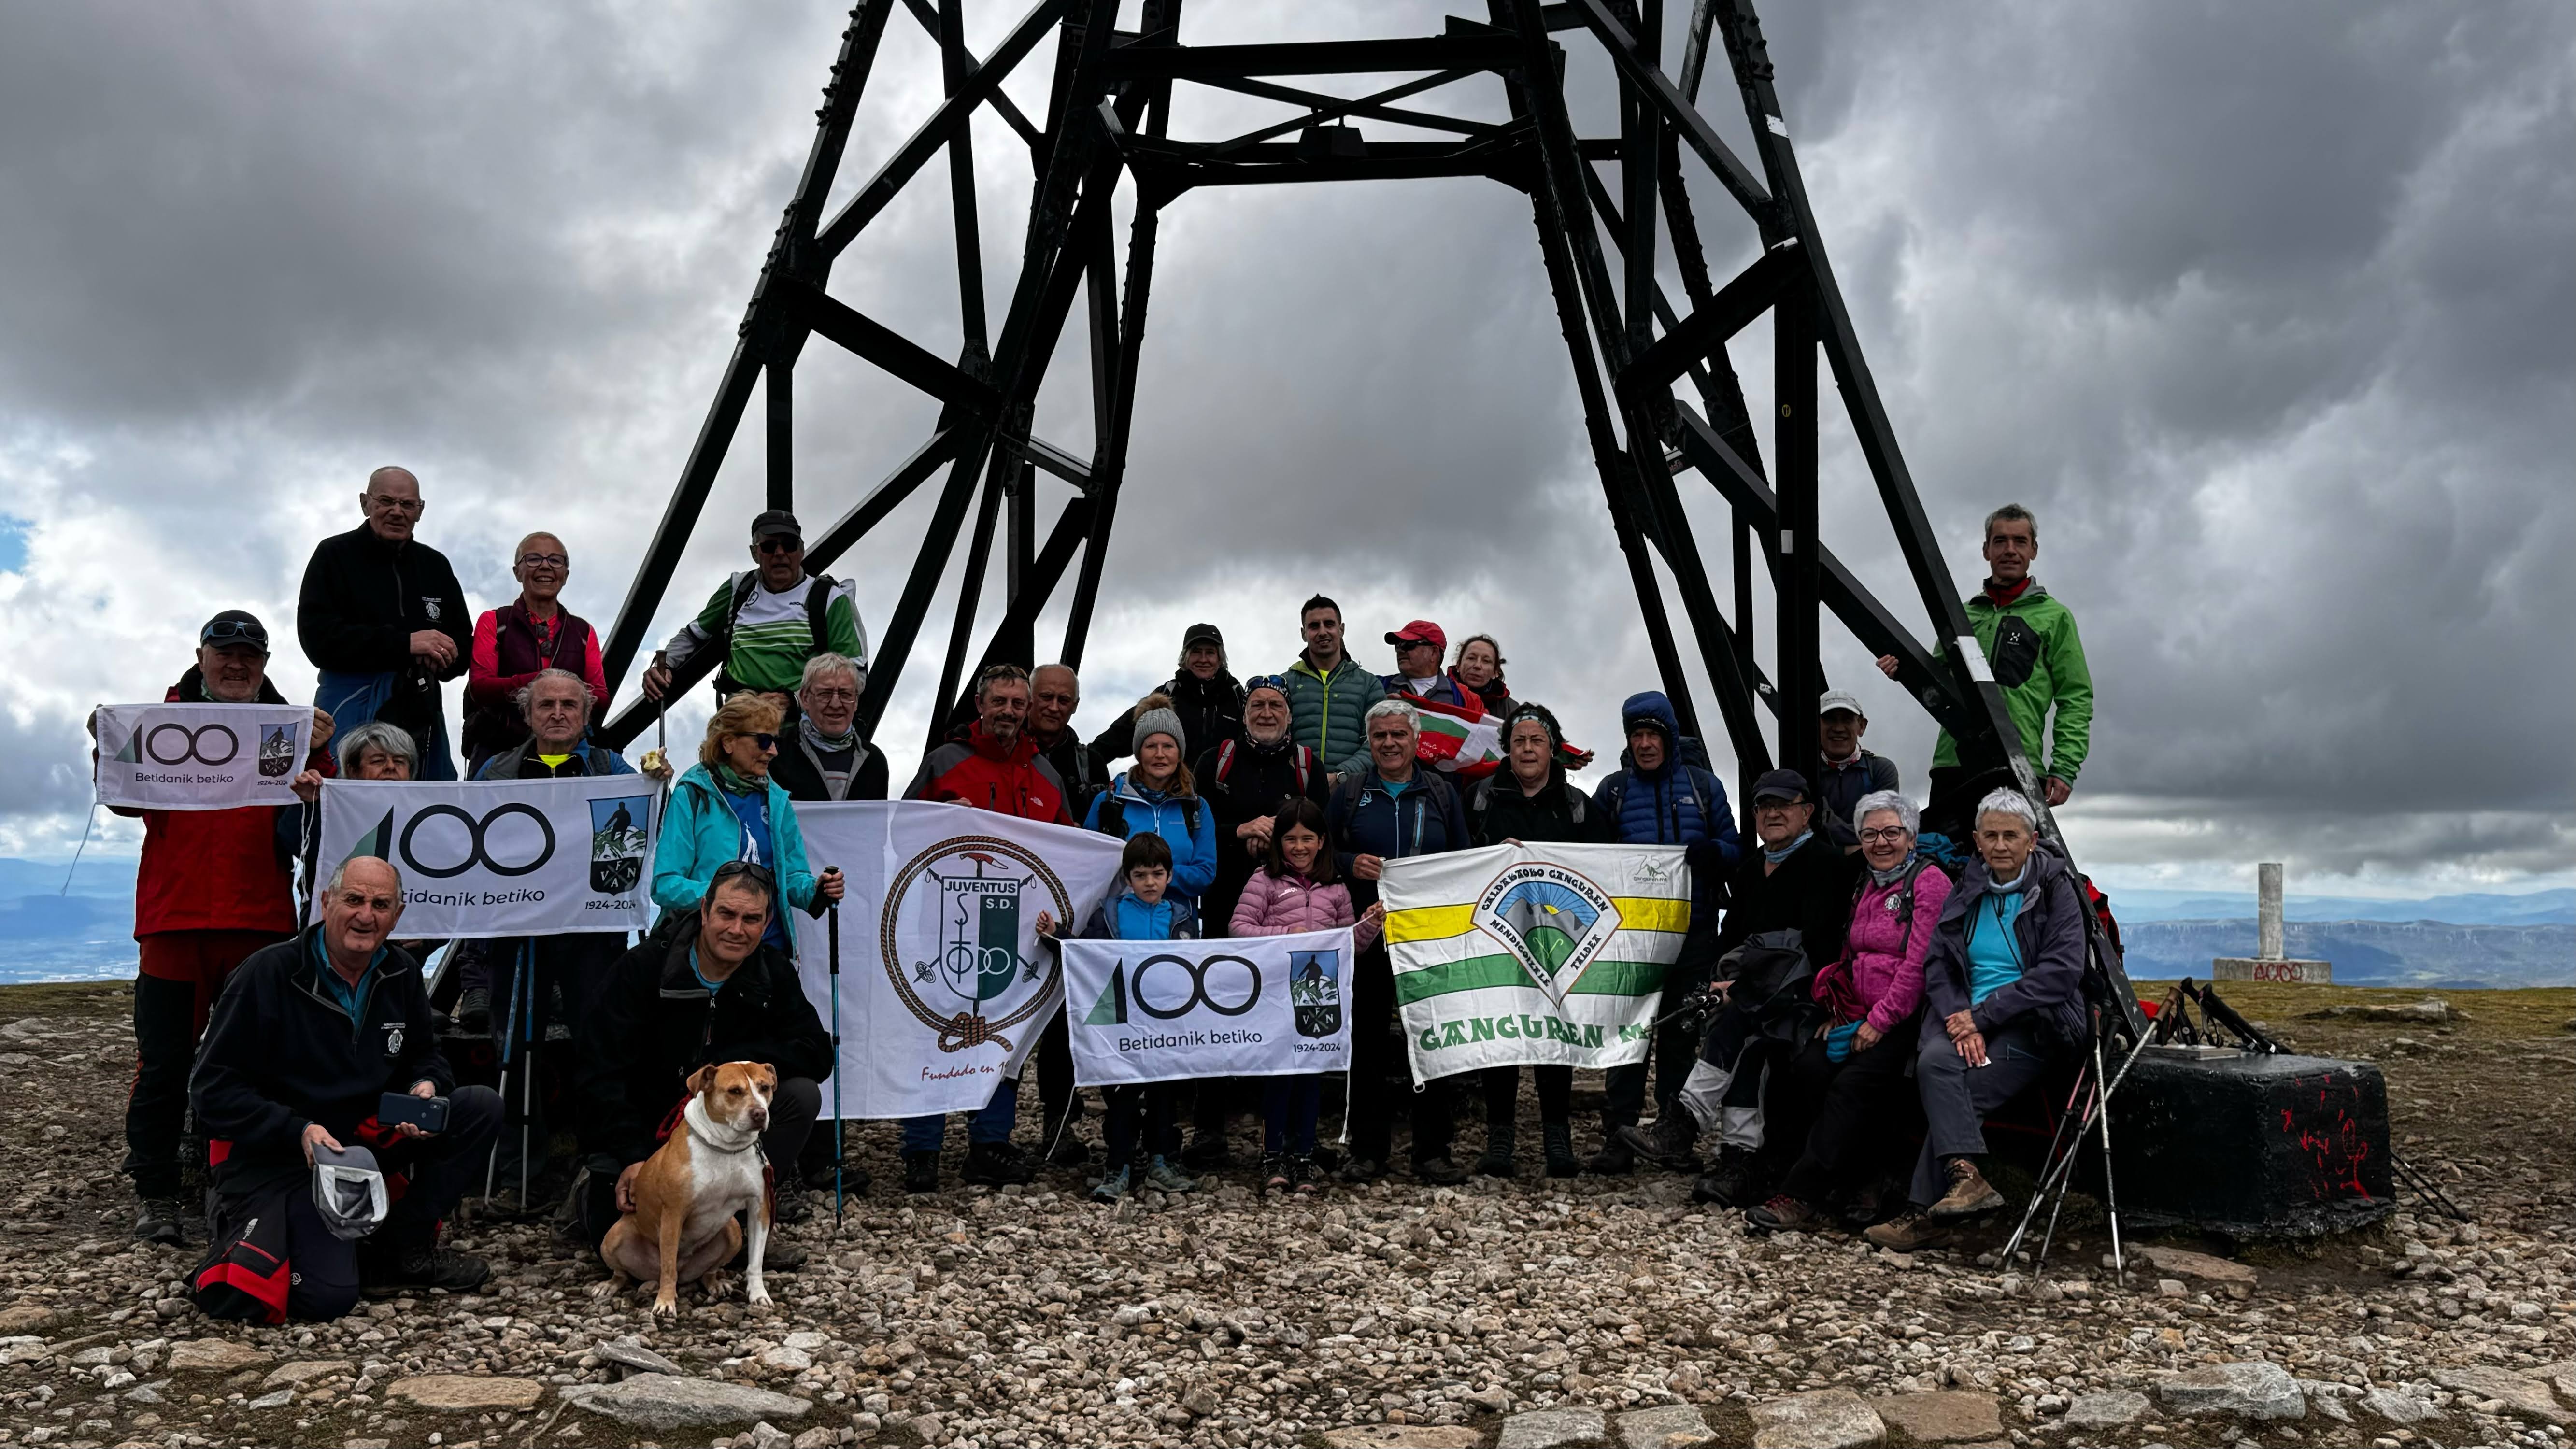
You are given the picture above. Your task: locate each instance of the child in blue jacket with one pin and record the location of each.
(1145, 911)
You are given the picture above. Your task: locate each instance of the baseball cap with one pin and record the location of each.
(1198, 634)
(1420, 631)
(348, 1191)
(235, 626)
(774, 523)
(1780, 784)
(1840, 699)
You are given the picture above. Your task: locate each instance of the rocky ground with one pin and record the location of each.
(1518, 1314)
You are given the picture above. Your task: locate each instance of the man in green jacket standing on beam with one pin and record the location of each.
(2030, 642)
(1329, 694)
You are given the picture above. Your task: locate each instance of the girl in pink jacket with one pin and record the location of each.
(1294, 891)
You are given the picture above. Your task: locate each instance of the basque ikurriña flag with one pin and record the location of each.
(1542, 954)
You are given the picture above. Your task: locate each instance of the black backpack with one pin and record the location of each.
(818, 608)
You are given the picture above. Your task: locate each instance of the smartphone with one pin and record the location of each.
(429, 1114)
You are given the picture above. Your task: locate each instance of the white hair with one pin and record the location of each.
(1393, 709)
(1877, 800)
(830, 663)
(376, 734)
(527, 695)
(2012, 803)
(340, 873)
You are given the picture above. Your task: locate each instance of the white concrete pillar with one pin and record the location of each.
(2267, 925)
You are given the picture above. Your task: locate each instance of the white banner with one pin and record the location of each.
(1549, 954)
(502, 857)
(1254, 1006)
(201, 756)
(943, 988)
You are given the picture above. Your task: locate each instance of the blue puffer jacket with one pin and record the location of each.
(1140, 811)
(1675, 804)
(1125, 918)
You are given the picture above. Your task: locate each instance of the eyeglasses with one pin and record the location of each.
(544, 561)
(409, 506)
(779, 543)
(832, 696)
(1891, 835)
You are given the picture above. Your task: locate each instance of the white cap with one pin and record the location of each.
(1840, 699)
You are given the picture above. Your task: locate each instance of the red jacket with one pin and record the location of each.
(975, 769)
(217, 870)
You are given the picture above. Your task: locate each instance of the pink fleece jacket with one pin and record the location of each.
(1274, 905)
(1882, 955)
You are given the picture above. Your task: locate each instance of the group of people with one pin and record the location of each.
(1829, 958)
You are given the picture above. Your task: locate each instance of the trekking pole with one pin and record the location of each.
(840, 1140)
(528, 1037)
(2110, 1190)
(509, 1023)
(2048, 1239)
(2048, 1163)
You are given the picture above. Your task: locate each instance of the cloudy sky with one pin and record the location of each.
(2269, 312)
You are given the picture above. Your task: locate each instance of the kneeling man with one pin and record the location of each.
(308, 1037)
(706, 995)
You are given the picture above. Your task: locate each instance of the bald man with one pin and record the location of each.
(384, 622)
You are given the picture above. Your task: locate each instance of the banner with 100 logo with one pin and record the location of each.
(502, 857)
(200, 756)
(1249, 1006)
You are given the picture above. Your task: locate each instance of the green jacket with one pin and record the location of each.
(1329, 712)
(2037, 658)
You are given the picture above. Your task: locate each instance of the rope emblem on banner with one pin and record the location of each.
(977, 923)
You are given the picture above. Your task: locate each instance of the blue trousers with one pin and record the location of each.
(988, 1124)
(1288, 1108)
(353, 699)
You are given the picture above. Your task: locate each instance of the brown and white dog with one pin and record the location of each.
(687, 1193)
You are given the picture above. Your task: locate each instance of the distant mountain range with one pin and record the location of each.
(2453, 942)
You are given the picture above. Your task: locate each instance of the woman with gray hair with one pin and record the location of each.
(1845, 1086)
(2003, 1002)
(377, 751)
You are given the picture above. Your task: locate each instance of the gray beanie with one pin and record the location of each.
(1155, 716)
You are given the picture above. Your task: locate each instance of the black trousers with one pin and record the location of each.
(1672, 1052)
(1140, 1123)
(1056, 1092)
(1845, 1120)
(791, 1119)
(1957, 1098)
(1377, 1056)
(1503, 1090)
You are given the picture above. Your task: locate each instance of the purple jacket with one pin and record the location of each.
(1274, 905)
(1883, 953)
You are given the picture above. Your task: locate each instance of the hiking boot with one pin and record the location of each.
(164, 1220)
(1363, 1169)
(1909, 1231)
(1781, 1213)
(1275, 1176)
(1671, 1142)
(1308, 1177)
(1613, 1160)
(1732, 1180)
(921, 1172)
(1207, 1153)
(776, 1256)
(1065, 1147)
(1868, 1206)
(1438, 1172)
(1500, 1139)
(474, 1012)
(1559, 1142)
(853, 1181)
(1969, 1194)
(1112, 1188)
(1161, 1176)
(997, 1164)
(787, 1205)
(427, 1266)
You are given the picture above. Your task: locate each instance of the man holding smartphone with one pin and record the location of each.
(307, 1041)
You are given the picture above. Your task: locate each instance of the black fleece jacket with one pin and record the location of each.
(1251, 785)
(281, 1053)
(1211, 712)
(1810, 893)
(1498, 810)
(364, 598)
(655, 1024)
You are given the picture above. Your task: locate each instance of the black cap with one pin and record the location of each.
(235, 626)
(1198, 634)
(774, 523)
(1785, 784)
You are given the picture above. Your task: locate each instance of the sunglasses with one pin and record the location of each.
(765, 741)
(234, 631)
(1278, 682)
(780, 543)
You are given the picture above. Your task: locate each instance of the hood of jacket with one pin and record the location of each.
(1651, 707)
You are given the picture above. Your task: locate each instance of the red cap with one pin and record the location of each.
(1420, 631)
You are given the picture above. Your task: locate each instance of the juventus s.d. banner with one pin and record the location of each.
(1549, 954)
(944, 988)
(200, 756)
(502, 857)
(1255, 1006)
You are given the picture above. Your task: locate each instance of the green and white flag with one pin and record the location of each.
(1540, 954)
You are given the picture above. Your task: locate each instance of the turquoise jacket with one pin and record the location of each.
(701, 832)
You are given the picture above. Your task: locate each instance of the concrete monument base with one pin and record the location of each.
(2256, 968)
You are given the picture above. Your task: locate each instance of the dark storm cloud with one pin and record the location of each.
(2267, 312)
